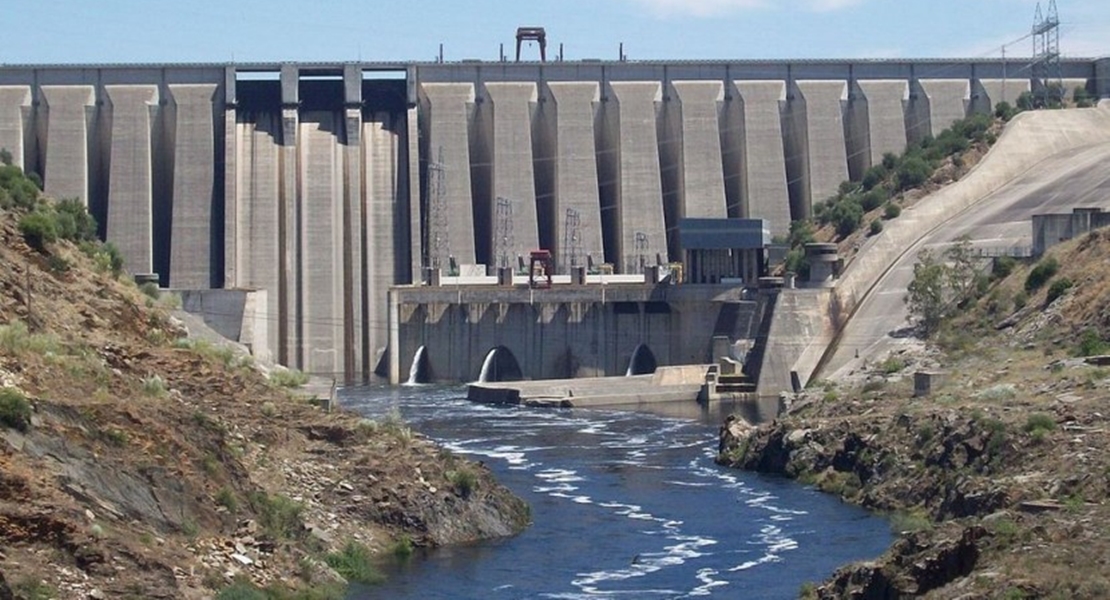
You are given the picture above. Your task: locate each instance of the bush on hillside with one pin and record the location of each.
(1041, 273)
(912, 172)
(38, 230)
(1057, 289)
(891, 211)
(15, 411)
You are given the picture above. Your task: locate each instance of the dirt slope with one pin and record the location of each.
(999, 480)
(157, 468)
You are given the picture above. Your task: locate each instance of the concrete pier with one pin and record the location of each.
(448, 110)
(631, 188)
(15, 122)
(257, 224)
(699, 188)
(194, 134)
(816, 150)
(935, 104)
(384, 229)
(66, 120)
(762, 149)
(988, 93)
(320, 287)
(130, 175)
(511, 178)
(877, 123)
(567, 172)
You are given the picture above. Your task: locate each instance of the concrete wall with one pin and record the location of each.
(130, 174)
(508, 108)
(558, 333)
(816, 149)
(630, 182)
(876, 123)
(15, 124)
(193, 240)
(65, 118)
(568, 163)
(212, 179)
(762, 171)
(447, 110)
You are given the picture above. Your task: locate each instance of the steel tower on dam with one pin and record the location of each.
(325, 184)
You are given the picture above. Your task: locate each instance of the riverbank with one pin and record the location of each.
(998, 480)
(136, 461)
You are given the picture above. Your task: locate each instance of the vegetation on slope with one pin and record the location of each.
(135, 462)
(997, 482)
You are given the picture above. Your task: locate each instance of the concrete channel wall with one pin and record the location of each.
(325, 184)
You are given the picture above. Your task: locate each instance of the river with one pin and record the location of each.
(625, 505)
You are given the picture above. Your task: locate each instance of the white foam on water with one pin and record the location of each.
(559, 475)
(705, 576)
(765, 559)
(689, 484)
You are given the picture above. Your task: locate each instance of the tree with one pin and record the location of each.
(942, 285)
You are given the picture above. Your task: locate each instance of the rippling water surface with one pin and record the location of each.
(625, 504)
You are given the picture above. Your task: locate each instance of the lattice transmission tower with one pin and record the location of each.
(503, 232)
(437, 235)
(1046, 52)
(572, 239)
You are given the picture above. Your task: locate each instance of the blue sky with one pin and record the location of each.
(82, 31)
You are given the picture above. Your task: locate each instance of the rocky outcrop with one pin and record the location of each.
(915, 565)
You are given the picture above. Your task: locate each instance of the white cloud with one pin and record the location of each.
(711, 8)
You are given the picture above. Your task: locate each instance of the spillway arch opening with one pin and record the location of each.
(642, 361)
(500, 364)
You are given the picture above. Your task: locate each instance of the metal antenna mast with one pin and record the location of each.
(439, 248)
(572, 241)
(504, 231)
(1046, 52)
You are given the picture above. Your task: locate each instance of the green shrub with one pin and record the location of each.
(15, 411)
(1004, 111)
(1092, 344)
(279, 516)
(913, 172)
(16, 339)
(874, 177)
(154, 386)
(892, 365)
(1039, 421)
(908, 522)
(1041, 273)
(74, 222)
(38, 230)
(1020, 300)
(891, 211)
(288, 378)
(1002, 266)
(876, 227)
(847, 216)
(402, 548)
(226, 498)
(872, 199)
(150, 290)
(354, 563)
(1057, 289)
(464, 480)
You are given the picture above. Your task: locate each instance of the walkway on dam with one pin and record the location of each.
(1074, 175)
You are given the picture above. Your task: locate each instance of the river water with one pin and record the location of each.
(625, 505)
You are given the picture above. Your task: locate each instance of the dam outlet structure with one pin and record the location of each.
(324, 185)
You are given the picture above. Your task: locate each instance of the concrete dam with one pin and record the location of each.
(324, 185)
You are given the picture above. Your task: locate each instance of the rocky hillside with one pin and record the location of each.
(999, 479)
(137, 463)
